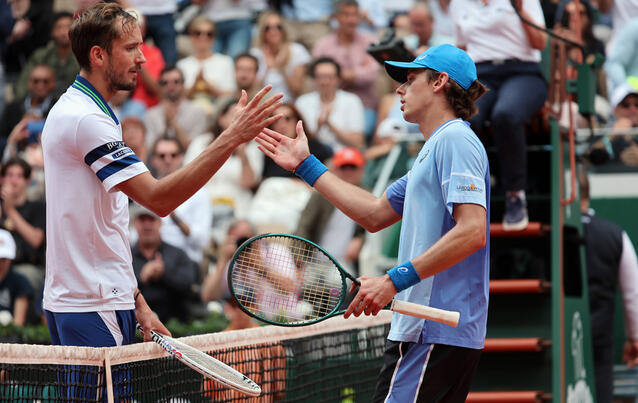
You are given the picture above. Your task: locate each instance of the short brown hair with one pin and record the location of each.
(461, 101)
(97, 27)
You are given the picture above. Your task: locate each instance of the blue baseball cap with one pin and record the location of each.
(444, 59)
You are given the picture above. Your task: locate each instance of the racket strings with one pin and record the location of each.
(286, 280)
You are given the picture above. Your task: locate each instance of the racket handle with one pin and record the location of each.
(425, 312)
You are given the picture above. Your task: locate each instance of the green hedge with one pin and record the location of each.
(39, 334)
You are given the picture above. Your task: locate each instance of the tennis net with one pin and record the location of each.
(333, 361)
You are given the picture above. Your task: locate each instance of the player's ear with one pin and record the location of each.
(97, 56)
(440, 81)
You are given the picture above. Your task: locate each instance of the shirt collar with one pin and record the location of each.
(83, 85)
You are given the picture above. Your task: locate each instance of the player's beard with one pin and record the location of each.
(116, 83)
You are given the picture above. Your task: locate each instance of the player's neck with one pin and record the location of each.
(433, 118)
(97, 80)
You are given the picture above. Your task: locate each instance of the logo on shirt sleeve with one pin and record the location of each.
(469, 188)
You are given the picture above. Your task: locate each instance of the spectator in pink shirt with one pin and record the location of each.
(347, 46)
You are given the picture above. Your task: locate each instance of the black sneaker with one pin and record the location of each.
(515, 218)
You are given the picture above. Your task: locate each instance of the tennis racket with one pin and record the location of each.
(205, 364)
(287, 280)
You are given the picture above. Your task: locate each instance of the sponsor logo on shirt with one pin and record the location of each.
(469, 188)
(121, 153)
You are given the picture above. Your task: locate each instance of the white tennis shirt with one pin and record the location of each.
(88, 257)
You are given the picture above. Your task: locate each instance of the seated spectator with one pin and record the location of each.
(56, 54)
(423, 35)
(124, 106)
(309, 20)
(164, 273)
(215, 285)
(147, 88)
(206, 74)
(507, 53)
(372, 16)
(622, 58)
(282, 63)
(237, 318)
(328, 226)
(15, 291)
(336, 116)
(26, 221)
(234, 23)
(278, 203)
(348, 47)
(175, 116)
(246, 69)
(134, 135)
(287, 126)
(230, 189)
(188, 226)
(36, 104)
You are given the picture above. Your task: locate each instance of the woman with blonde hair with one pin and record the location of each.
(281, 63)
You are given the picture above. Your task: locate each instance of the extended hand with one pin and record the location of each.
(252, 117)
(286, 152)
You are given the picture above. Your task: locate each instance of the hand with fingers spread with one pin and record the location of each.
(374, 294)
(252, 117)
(286, 152)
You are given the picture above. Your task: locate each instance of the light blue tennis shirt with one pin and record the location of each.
(451, 168)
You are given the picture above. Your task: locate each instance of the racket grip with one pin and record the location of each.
(426, 312)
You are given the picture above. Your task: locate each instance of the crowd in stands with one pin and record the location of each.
(201, 55)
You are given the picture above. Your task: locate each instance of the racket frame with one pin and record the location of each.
(335, 311)
(182, 351)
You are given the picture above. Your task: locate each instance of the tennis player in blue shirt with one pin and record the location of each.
(443, 202)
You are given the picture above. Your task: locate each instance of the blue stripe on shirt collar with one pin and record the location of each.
(83, 85)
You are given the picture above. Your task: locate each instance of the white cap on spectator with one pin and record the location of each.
(622, 91)
(7, 245)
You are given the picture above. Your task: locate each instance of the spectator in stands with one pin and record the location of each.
(281, 63)
(36, 104)
(622, 12)
(215, 285)
(26, 221)
(309, 21)
(622, 59)
(134, 135)
(164, 272)
(286, 126)
(147, 89)
(15, 291)
(622, 146)
(237, 318)
(443, 24)
(372, 15)
(246, 68)
(230, 189)
(348, 47)
(56, 54)
(423, 35)
(124, 106)
(159, 16)
(207, 74)
(188, 226)
(328, 226)
(175, 116)
(335, 115)
(611, 260)
(507, 55)
(233, 23)
(6, 24)
(31, 29)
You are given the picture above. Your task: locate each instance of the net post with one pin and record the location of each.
(109, 377)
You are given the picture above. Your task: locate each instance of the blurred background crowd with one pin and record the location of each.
(202, 53)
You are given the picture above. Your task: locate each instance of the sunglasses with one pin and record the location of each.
(209, 34)
(165, 82)
(164, 155)
(278, 27)
(40, 81)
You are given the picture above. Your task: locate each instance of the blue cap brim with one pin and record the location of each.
(398, 71)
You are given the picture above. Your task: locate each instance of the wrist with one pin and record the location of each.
(310, 169)
(404, 276)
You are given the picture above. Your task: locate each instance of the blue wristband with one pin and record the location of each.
(310, 170)
(404, 276)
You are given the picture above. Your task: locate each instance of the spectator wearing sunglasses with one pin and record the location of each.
(175, 116)
(207, 75)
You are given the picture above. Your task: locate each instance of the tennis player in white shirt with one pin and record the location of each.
(90, 295)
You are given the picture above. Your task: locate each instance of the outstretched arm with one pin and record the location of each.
(371, 212)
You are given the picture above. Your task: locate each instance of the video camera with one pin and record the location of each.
(390, 48)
